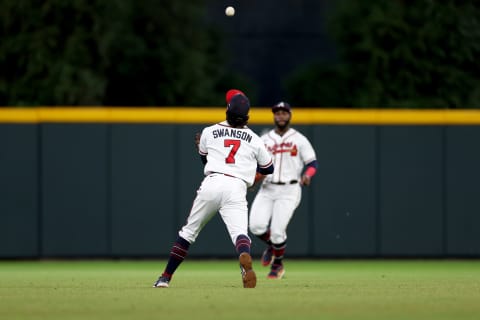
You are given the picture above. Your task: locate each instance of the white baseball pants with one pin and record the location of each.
(223, 194)
(274, 206)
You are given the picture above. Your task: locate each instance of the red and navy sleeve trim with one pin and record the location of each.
(267, 169)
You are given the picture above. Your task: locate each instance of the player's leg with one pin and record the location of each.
(234, 213)
(178, 252)
(260, 215)
(283, 211)
(261, 212)
(267, 255)
(203, 209)
(235, 217)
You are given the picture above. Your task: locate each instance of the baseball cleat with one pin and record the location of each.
(267, 256)
(276, 272)
(162, 282)
(249, 277)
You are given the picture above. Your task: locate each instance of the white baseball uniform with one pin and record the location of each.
(280, 193)
(232, 158)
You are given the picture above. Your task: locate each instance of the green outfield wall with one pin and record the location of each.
(116, 182)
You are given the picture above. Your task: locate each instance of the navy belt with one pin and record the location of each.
(225, 174)
(283, 183)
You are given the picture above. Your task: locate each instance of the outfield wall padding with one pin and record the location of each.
(123, 189)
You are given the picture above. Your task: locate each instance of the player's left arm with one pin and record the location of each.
(310, 170)
(308, 155)
(197, 137)
(200, 145)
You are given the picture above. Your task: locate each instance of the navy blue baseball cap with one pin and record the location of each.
(238, 105)
(282, 105)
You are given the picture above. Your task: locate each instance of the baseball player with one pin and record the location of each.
(232, 154)
(280, 193)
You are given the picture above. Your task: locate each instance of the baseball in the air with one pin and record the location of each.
(230, 11)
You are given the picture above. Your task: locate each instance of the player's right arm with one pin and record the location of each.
(264, 161)
(262, 172)
(264, 157)
(266, 169)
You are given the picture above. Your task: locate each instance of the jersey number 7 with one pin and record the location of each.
(235, 144)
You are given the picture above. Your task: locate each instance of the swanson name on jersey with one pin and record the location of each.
(232, 133)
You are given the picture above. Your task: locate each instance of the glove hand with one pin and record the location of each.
(197, 139)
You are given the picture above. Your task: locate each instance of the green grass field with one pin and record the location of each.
(212, 290)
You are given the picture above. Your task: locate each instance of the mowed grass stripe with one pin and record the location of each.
(212, 290)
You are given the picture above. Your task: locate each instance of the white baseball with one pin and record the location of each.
(230, 11)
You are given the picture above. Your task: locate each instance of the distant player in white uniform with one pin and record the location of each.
(232, 154)
(280, 193)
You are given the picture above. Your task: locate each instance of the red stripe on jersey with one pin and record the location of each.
(267, 165)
